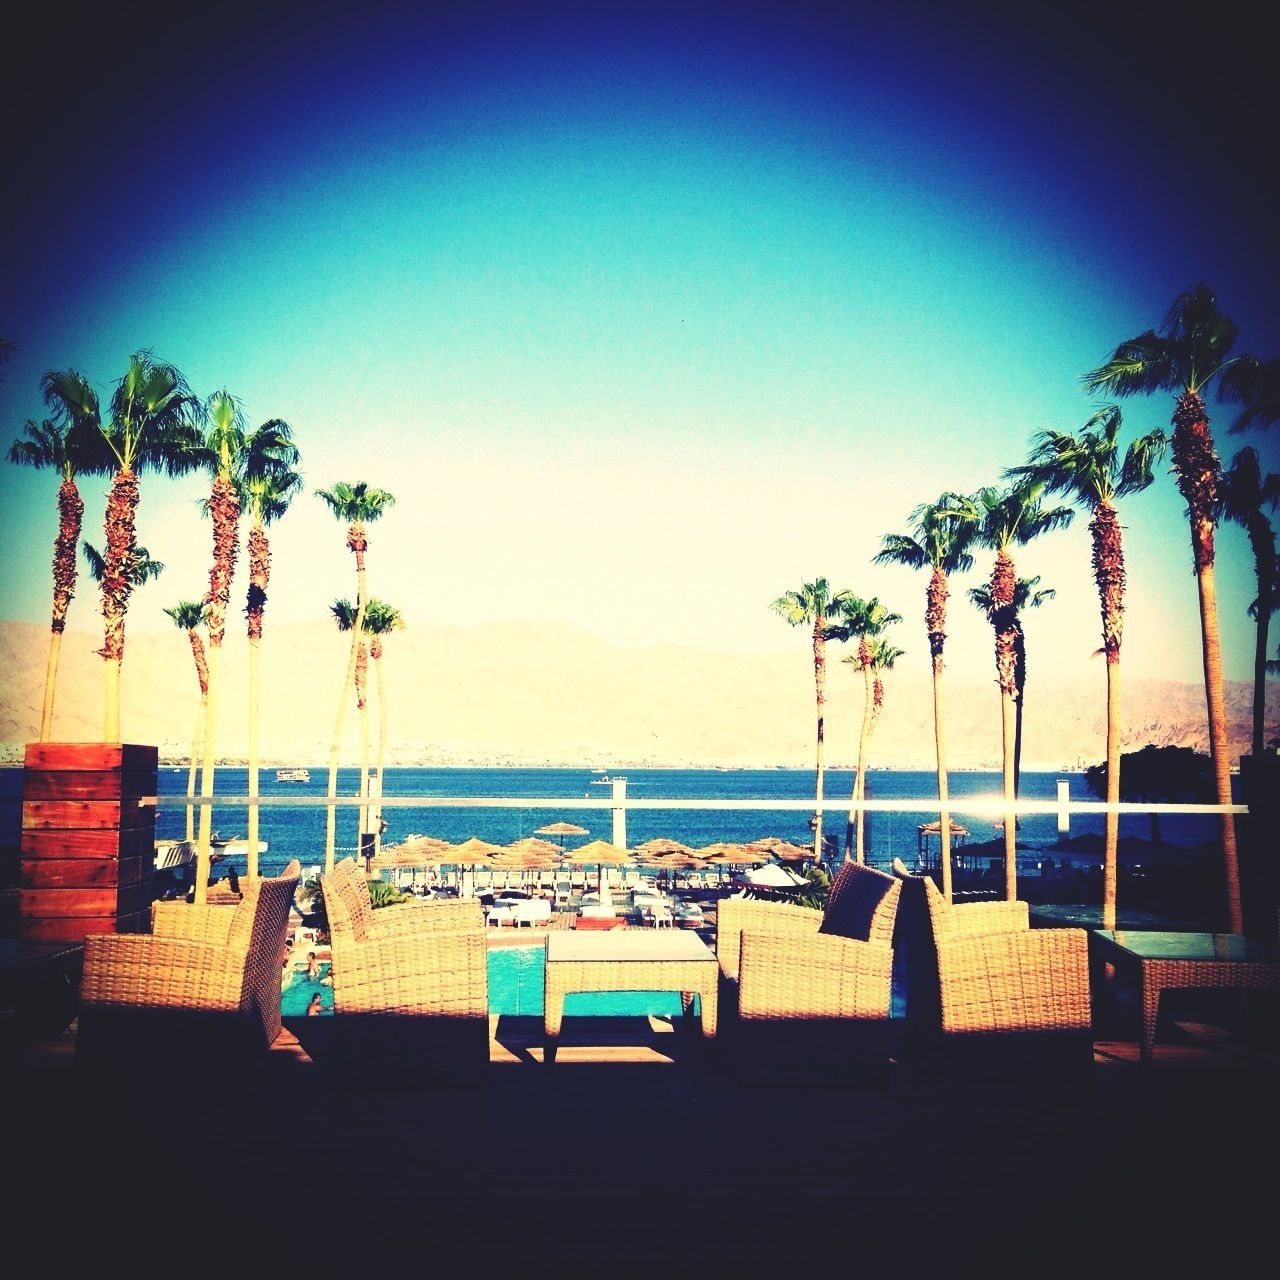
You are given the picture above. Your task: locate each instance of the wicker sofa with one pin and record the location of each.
(410, 982)
(980, 970)
(795, 980)
(209, 973)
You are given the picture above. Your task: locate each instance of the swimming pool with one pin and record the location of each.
(515, 988)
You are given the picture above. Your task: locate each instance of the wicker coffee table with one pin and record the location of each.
(1163, 961)
(650, 960)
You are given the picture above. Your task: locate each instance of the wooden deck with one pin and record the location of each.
(639, 1148)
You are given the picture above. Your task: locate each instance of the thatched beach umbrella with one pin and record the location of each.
(470, 853)
(783, 850)
(600, 854)
(561, 829)
(661, 848)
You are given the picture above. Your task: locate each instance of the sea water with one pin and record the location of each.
(300, 832)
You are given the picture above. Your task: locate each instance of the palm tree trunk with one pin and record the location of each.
(1007, 733)
(259, 575)
(111, 719)
(1111, 821)
(855, 815)
(251, 864)
(119, 527)
(362, 710)
(1195, 463)
(1109, 575)
(936, 624)
(1219, 746)
(70, 518)
(50, 681)
(382, 741)
(205, 839)
(357, 546)
(819, 684)
(196, 738)
(1260, 676)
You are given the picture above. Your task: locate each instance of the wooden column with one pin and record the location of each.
(88, 843)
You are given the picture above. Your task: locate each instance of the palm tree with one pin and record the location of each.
(71, 444)
(346, 616)
(815, 607)
(884, 654)
(1192, 349)
(152, 427)
(268, 487)
(356, 505)
(1005, 518)
(941, 533)
(1089, 468)
(381, 619)
(1025, 596)
(221, 453)
(187, 615)
(1246, 495)
(865, 619)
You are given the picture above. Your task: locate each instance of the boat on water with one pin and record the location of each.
(293, 775)
(171, 855)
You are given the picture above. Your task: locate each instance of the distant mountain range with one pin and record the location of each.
(547, 694)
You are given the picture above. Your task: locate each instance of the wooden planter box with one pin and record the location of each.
(88, 840)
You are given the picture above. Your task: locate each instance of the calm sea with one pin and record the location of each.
(300, 833)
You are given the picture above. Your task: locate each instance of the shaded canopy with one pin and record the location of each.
(783, 850)
(470, 853)
(730, 855)
(599, 853)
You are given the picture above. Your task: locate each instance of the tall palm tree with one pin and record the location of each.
(940, 538)
(71, 444)
(231, 454)
(1005, 518)
(221, 453)
(865, 619)
(152, 427)
(814, 606)
(346, 616)
(1089, 468)
(381, 619)
(884, 654)
(1246, 496)
(1025, 596)
(187, 616)
(268, 486)
(1192, 349)
(356, 505)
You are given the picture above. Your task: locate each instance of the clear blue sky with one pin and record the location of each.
(645, 313)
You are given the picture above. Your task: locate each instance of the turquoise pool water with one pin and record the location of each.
(515, 987)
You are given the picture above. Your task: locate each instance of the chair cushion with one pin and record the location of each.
(856, 895)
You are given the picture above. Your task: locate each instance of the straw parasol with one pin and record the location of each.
(532, 847)
(470, 853)
(561, 829)
(783, 850)
(600, 854)
(730, 855)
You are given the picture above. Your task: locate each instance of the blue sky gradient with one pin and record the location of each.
(645, 314)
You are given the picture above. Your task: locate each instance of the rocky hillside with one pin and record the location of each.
(547, 694)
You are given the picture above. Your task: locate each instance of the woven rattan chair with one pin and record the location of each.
(210, 972)
(797, 982)
(979, 970)
(410, 982)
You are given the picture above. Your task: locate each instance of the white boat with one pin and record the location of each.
(233, 844)
(293, 775)
(172, 854)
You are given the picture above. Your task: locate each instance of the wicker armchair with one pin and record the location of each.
(211, 972)
(407, 978)
(980, 969)
(803, 982)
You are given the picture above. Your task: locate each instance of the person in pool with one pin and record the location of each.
(314, 1007)
(313, 966)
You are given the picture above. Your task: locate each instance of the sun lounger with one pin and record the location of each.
(535, 912)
